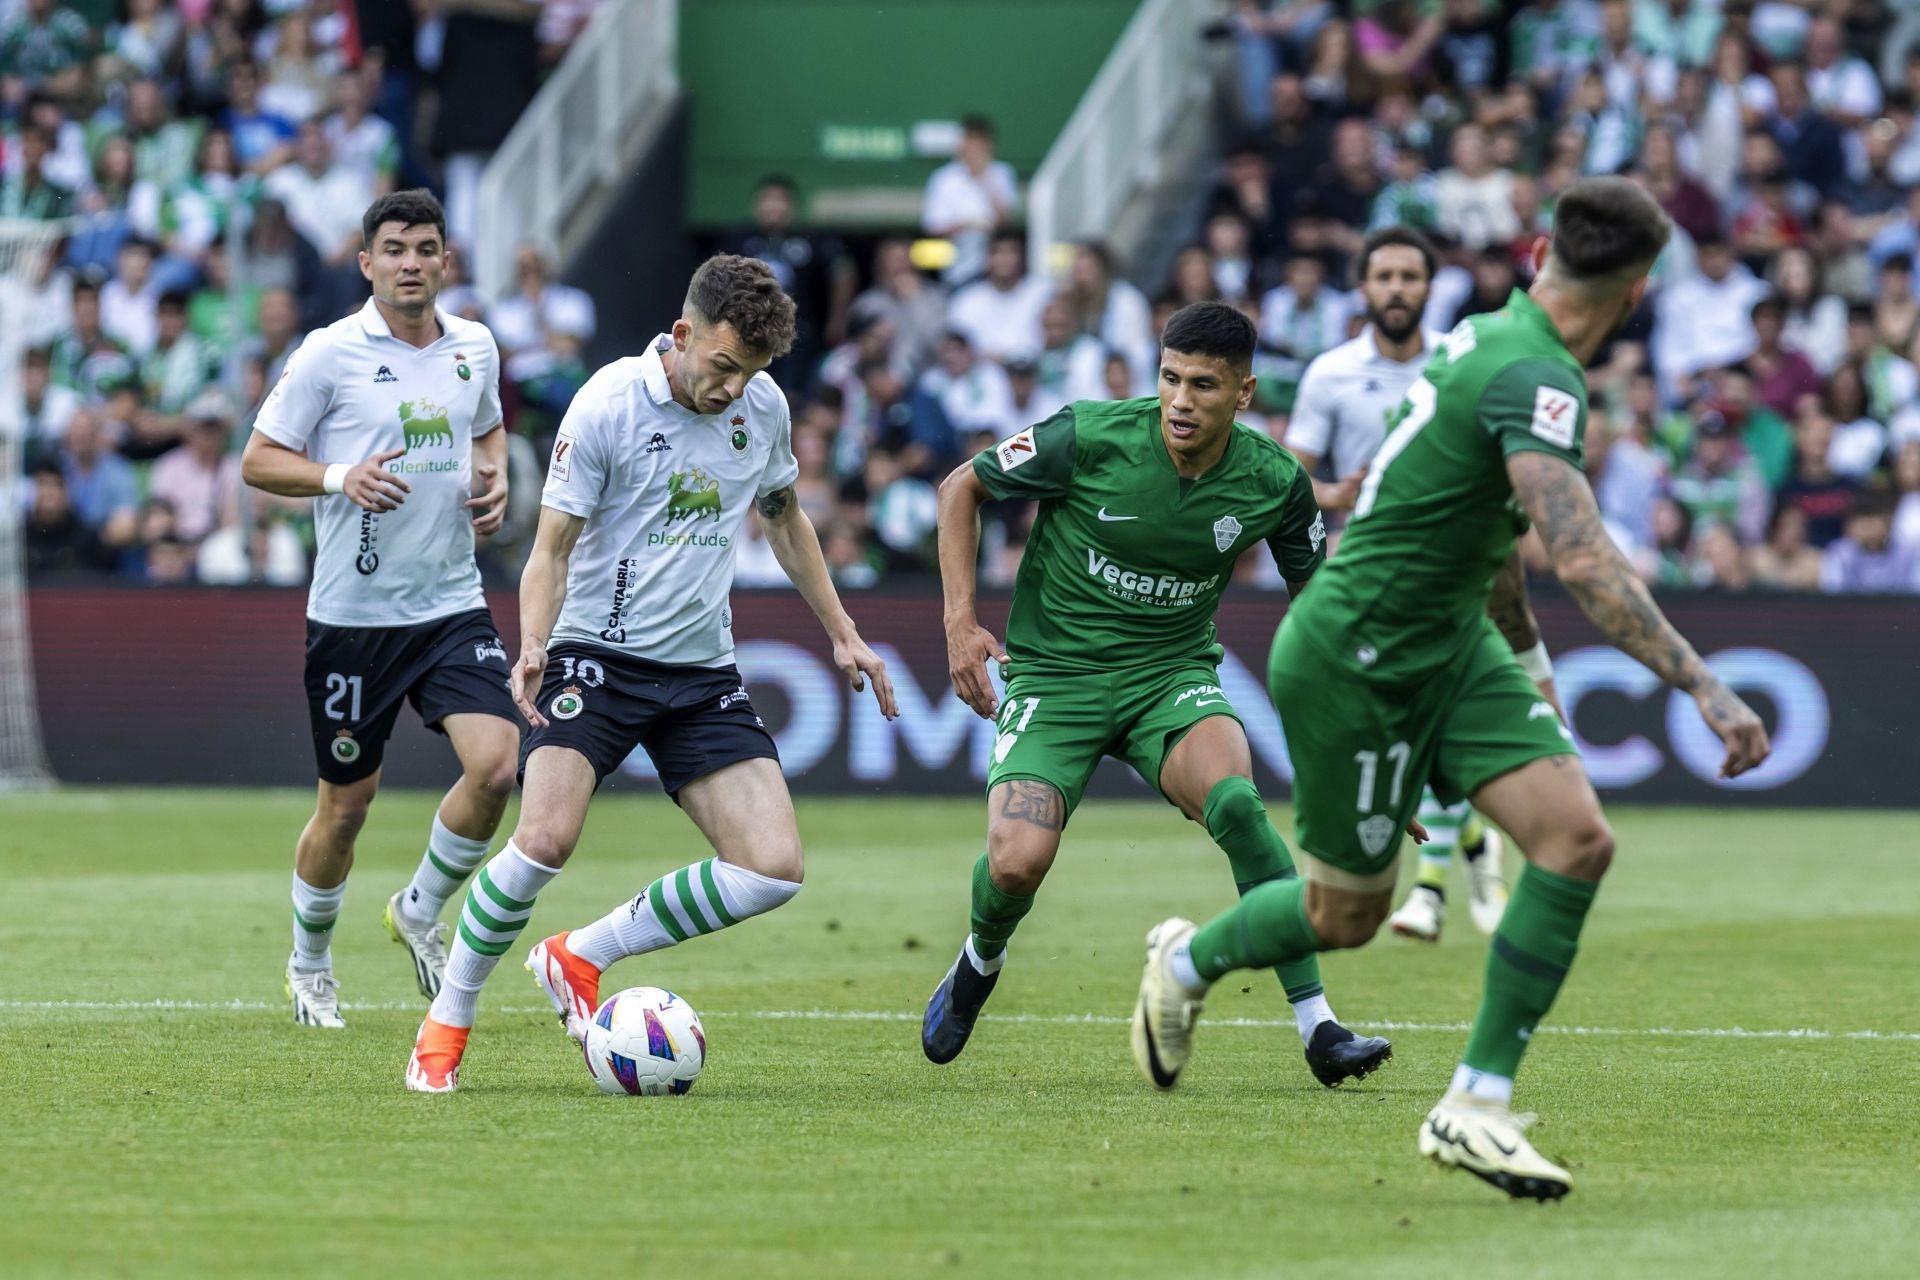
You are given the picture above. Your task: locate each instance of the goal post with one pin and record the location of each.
(25, 248)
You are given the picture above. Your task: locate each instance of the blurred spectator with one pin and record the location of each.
(1816, 490)
(200, 479)
(280, 333)
(968, 199)
(1111, 309)
(1720, 483)
(1859, 441)
(56, 539)
(1628, 475)
(525, 322)
(147, 42)
(973, 392)
(814, 269)
(489, 70)
(363, 143)
(266, 552)
(163, 147)
(908, 301)
(46, 407)
(1305, 316)
(1667, 560)
(297, 75)
(1784, 375)
(1246, 191)
(211, 309)
(1866, 558)
(168, 563)
(177, 366)
(1473, 200)
(1295, 143)
(1842, 86)
(101, 485)
(43, 48)
(1785, 561)
(86, 357)
(1705, 320)
(25, 191)
(324, 200)
(1229, 256)
(1411, 198)
(1000, 313)
(129, 301)
(1494, 281)
(1330, 215)
(262, 139)
(1815, 320)
(1906, 477)
(1071, 364)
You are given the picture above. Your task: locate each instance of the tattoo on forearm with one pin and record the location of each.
(1562, 506)
(775, 504)
(1509, 608)
(1025, 800)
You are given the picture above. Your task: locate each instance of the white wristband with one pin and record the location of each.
(335, 481)
(1536, 662)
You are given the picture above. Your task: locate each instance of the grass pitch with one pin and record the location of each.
(163, 1115)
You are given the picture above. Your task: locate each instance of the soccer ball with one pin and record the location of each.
(645, 1040)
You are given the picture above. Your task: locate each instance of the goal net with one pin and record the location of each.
(25, 248)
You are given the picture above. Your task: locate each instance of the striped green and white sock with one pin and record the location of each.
(689, 903)
(314, 911)
(497, 909)
(1443, 824)
(450, 858)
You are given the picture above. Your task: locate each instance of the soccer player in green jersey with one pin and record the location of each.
(1145, 505)
(1389, 675)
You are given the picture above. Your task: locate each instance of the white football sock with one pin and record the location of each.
(314, 911)
(445, 866)
(703, 898)
(1310, 1013)
(1184, 971)
(1483, 1085)
(984, 967)
(497, 909)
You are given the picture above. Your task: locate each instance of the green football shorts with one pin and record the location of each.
(1362, 751)
(1054, 727)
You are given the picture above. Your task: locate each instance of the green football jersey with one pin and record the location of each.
(1436, 516)
(1127, 560)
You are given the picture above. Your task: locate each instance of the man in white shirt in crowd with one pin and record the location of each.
(363, 143)
(1000, 313)
(324, 200)
(967, 199)
(1705, 321)
(626, 641)
(540, 307)
(382, 417)
(1342, 412)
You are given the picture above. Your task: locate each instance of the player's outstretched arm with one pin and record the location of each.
(1512, 612)
(1556, 495)
(270, 466)
(543, 589)
(797, 547)
(970, 646)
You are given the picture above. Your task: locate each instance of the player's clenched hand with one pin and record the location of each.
(525, 683)
(1736, 725)
(372, 486)
(490, 507)
(858, 664)
(970, 647)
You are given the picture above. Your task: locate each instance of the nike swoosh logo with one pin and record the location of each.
(1209, 702)
(1114, 519)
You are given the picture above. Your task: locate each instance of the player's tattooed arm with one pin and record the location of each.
(1556, 494)
(1509, 608)
(775, 505)
(1033, 802)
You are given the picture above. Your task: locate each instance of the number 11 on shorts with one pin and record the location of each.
(1369, 761)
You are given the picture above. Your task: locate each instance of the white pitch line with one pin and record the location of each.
(1039, 1019)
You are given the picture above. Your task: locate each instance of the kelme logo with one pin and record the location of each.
(692, 495)
(568, 703)
(345, 749)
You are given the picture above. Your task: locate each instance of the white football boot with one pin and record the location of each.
(316, 998)
(1486, 886)
(1164, 1015)
(1421, 916)
(426, 945)
(1490, 1142)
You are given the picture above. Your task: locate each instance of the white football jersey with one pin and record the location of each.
(1345, 396)
(353, 390)
(664, 491)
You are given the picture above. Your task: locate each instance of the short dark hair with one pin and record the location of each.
(976, 123)
(779, 180)
(1769, 306)
(1603, 226)
(412, 208)
(172, 300)
(1898, 262)
(1215, 329)
(744, 292)
(1396, 235)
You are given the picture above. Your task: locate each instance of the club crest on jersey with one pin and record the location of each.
(466, 373)
(345, 749)
(1226, 531)
(1375, 833)
(568, 703)
(739, 439)
(1317, 531)
(1016, 450)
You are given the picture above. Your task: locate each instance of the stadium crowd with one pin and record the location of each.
(1756, 426)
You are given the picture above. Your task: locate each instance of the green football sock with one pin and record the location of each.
(1237, 820)
(1269, 926)
(1526, 964)
(996, 913)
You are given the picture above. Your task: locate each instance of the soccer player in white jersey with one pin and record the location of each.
(382, 418)
(626, 640)
(1340, 416)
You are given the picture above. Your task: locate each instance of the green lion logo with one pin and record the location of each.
(425, 424)
(692, 495)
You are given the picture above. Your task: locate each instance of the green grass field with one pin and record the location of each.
(163, 1115)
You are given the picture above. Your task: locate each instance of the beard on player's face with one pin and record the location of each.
(1396, 322)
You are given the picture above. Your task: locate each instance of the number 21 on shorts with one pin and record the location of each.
(1013, 722)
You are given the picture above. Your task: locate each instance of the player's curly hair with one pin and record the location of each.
(743, 292)
(1607, 226)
